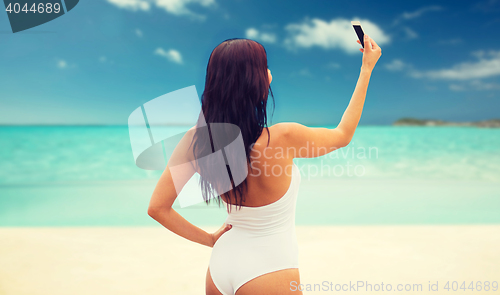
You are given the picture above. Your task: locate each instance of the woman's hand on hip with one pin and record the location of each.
(216, 235)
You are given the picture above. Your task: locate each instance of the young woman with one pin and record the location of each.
(255, 251)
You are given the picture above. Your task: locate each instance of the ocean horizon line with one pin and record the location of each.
(166, 125)
(402, 122)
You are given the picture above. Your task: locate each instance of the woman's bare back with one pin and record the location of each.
(269, 175)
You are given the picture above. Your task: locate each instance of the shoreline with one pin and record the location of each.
(491, 123)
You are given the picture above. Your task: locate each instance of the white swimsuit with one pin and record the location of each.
(261, 240)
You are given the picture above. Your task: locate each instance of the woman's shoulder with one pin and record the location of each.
(283, 128)
(277, 135)
(285, 132)
(287, 128)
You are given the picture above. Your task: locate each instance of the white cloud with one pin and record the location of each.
(396, 65)
(456, 87)
(419, 12)
(474, 85)
(133, 5)
(303, 72)
(62, 64)
(338, 33)
(416, 14)
(333, 65)
(480, 85)
(172, 55)
(105, 60)
(405, 16)
(176, 7)
(467, 75)
(488, 6)
(482, 53)
(410, 34)
(138, 32)
(252, 33)
(488, 65)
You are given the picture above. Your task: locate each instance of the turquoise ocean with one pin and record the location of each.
(86, 176)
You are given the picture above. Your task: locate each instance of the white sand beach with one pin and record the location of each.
(152, 260)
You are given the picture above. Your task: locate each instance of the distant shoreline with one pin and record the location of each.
(493, 123)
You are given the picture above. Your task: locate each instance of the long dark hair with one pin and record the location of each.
(236, 91)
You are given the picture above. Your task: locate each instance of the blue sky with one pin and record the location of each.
(103, 59)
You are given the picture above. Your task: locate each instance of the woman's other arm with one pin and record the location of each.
(165, 193)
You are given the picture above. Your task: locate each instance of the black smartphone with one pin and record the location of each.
(359, 32)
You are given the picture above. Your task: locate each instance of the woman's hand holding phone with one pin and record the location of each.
(371, 53)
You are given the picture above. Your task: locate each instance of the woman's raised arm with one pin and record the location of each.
(308, 142)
